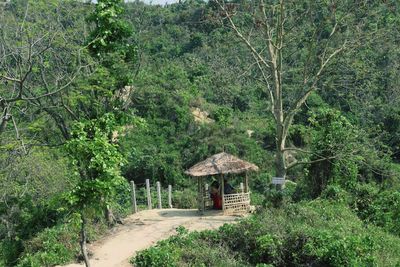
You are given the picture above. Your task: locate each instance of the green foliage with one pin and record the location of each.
(59, 244)
(156, 257)
(96, 161)
(187, 60)
(335, 139)
(222, 115)
(31, 186)
(342, 154)
(185, 199)
(52, 246)
(335, 192)
(110, 30)
(377, 206)
(186, 249)
(110, 41)
(321, 232)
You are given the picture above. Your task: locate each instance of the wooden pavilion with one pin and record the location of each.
(220, 165)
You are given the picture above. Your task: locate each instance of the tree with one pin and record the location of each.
(292, 44)
(96, 161)
(40, 59)
(110, 42)
(92, 148)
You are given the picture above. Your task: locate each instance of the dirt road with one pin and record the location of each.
(144, 229)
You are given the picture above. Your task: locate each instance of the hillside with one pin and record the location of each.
(93, 96)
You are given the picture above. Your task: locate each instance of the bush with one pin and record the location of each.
(317, 233)
(381, 208)
(278, 198)
(184, 249)
(57, 245)
(186, 199)
(337, 193)
(161, 255)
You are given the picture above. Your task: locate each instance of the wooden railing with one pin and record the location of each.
(236, 203)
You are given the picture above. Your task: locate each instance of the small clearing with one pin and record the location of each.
(144, 229)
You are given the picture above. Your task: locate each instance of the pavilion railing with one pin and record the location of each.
(236, 203)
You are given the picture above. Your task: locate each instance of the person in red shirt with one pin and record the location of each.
(215, 195)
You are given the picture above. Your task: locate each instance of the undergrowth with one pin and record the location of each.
(316, 233)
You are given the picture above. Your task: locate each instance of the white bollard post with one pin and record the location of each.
(133, 196)
(159, 195)
(170, 196)
(148, 194)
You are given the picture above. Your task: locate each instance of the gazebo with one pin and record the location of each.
(219, 165)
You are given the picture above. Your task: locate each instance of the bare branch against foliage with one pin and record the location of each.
(37, 64)
(274, 26)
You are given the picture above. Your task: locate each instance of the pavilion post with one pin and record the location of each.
(199, 196)
(222, 191)
(246, 183)
(202, 194)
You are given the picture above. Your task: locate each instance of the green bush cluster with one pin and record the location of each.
(377, 206)
(57, 245)
(187, 249)
(185, 199)
(316, 233)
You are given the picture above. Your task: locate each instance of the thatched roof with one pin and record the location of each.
(221, 163)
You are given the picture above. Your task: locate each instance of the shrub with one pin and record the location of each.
(381, 208)
(57, 245)
(335, 192)
(317, 233)
(161, 255)
(186, 199)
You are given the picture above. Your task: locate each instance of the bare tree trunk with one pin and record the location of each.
(280, 169)
(109, 215)
(280, 160)
(83, 240)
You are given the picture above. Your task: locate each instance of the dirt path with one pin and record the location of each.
(145, 228)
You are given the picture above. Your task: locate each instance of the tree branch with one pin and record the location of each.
(296, 163)
(301, 100)
(240, 35)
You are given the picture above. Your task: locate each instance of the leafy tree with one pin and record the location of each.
(96, 161)
(335, 142)
(111, 41)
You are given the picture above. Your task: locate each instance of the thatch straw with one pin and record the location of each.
(222, 163)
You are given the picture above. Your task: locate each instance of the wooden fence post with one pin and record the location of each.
(133, 196)
(148, 194)
(170, 196)
(159, 195)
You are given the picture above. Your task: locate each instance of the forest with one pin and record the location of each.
(95, 95)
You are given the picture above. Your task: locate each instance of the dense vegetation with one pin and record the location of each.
(317, 233)
(92, 96)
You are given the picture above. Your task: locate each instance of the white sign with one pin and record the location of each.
(278, 180)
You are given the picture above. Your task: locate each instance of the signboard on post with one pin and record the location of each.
(278, 180)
